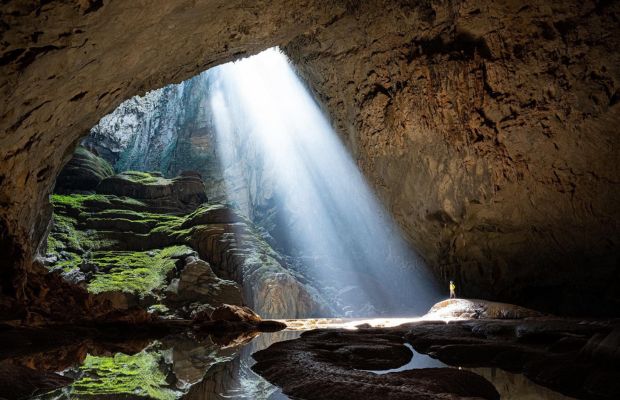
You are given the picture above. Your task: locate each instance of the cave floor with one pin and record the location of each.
(456, 358)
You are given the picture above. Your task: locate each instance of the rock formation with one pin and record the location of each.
(488, 128)
(479, 309)
(489, 131)
(127, 242)
(83, 172)
(324, 364)
(578, 358)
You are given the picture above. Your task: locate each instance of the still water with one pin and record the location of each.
(184, 366)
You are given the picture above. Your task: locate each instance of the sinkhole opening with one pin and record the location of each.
(308, 228)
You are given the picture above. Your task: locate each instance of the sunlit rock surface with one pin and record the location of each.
(479, 309)
(83, 172)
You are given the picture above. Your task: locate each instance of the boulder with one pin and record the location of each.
(198, 283)
(231, 313)
(479, 309)
(83, 172)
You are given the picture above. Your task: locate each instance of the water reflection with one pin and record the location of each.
(236, 380)
(180, 366)
(185, 366)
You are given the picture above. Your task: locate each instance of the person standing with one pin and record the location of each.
(452, 290)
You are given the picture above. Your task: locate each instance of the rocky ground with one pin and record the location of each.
(578, 358)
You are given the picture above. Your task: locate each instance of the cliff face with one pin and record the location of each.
(171, 130)
(488, 128)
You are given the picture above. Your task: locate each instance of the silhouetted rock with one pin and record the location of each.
(83, 172)
(573, 357)
(20, 382)
(231, 313)
(333, 365)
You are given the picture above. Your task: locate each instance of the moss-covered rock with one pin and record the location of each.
(178, 195)
(139, 273)
(131, 243)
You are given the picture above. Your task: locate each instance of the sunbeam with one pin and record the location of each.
(332, 214)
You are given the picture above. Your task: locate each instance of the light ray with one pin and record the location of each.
(331, 212)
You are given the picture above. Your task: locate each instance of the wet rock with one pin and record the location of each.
(560, 354)
(232, 313)
(332, 364)
(198, 283)
(19, 382)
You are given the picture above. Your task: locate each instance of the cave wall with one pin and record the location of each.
(487, 128)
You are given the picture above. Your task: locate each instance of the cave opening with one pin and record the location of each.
(229, 189)
(266, 152)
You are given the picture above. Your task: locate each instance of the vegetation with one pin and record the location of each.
(139, 273)
(142, 177)
(99, 234)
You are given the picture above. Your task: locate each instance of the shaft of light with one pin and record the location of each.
(331, 212)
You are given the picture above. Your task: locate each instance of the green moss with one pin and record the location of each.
(141, 272)
(77, 204)
(139, 375)
(141, 177)
(76, 201)
(135, 215)
(173, 229)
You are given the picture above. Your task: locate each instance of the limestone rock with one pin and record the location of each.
(83, 172)
(198, 283)
(560, 354)
(181, 194)
(333, 364)
(479, 309)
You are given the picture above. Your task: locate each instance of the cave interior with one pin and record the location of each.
(310, 200)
